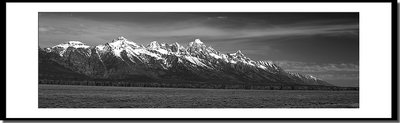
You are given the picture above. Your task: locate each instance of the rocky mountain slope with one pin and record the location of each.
(124, 59)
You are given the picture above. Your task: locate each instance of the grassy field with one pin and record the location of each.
(69, 96)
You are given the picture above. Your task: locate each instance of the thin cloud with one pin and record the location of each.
(222, 17)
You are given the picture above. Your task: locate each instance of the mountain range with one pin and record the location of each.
(122, 59)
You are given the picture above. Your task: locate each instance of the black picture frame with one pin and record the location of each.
(394, 104)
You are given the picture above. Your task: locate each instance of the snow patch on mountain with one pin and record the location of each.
(61, 48)
(195, 60)
(100, 47)
(196, 42)
(75, 44)
(155, 46)
(215, 56)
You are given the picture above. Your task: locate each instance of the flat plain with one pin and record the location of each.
(73, 96)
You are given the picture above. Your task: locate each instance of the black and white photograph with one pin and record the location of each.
(198, 59)
(228, 61)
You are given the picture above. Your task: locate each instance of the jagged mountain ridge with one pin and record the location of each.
(124, 59)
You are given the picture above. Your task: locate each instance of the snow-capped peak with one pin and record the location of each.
(61, 48)
(269, 64)
(153, 45)
(122, 42)
(175, 47)
(238, 53)
(75, 44)
(196, 42)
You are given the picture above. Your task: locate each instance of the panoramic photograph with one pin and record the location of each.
(198, 60)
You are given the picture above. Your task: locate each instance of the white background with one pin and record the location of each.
(375, 60)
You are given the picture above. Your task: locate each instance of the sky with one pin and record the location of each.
(325, 45)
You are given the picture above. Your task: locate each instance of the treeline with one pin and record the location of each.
(191, 85)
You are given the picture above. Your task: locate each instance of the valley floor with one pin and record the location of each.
(72, 96)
